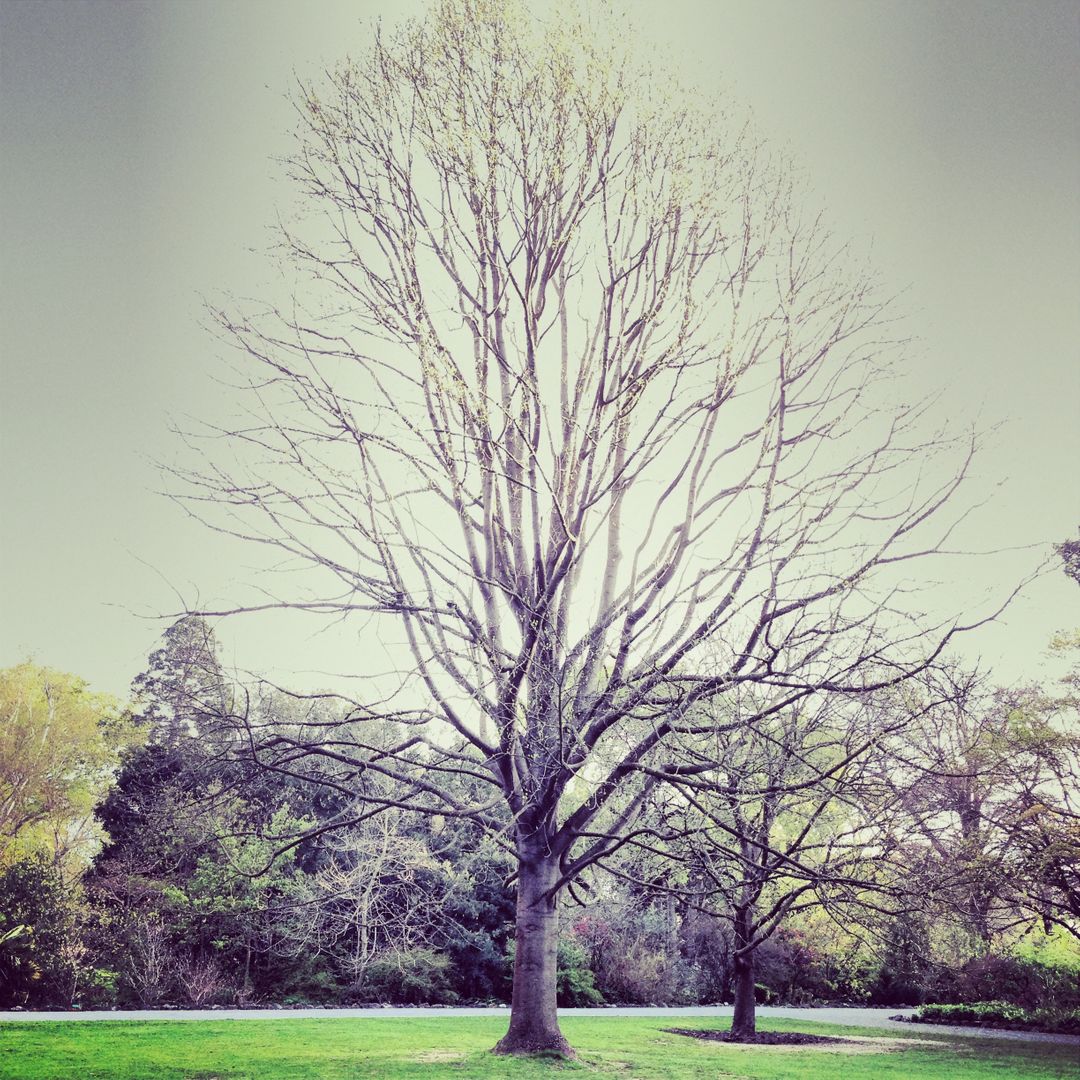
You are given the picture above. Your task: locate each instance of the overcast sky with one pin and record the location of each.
(137, 177)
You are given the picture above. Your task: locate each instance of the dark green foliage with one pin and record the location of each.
(306, 982)
(906, 968)
(475, 923)
(139, 813)
(575, 982)
(36, 926)
(285, 979)
(474, 930)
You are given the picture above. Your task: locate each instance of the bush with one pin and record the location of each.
(305, 983)
(801, 965)
(1001, 978)
(413, 977)
(99, 989)
(203, 983)
(36, 928)
(575, 982)
(476, 920)
(905, 969)
(1002, 1014)
(979, 1012)
(707, 945)
(1014, 979)
(631, 958)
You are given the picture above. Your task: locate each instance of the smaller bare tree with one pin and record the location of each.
(149, 964)
(375, 898)
(779, 810)
(202, 980)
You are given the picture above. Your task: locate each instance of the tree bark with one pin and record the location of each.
(534, 1022)
(744, 1021)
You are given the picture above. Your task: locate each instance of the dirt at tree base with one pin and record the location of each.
(763, 1038)
(794, 1040)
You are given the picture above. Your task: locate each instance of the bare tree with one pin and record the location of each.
(150, 967)
(778, 811)
(570, 388)
(201, 980)
(374, 898)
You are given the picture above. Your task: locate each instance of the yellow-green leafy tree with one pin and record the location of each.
(60, 744)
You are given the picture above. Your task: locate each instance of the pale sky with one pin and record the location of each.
(136, 176)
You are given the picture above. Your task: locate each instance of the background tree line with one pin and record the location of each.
(142, 863)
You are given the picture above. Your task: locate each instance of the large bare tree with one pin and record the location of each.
(570, 387)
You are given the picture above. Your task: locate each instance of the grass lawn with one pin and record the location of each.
(632, 1048)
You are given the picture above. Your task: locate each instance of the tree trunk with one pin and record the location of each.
(744, 1022)
(534, 1023)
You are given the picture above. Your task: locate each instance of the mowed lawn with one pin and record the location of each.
(632, 1048)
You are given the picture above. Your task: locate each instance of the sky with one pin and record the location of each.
(138, 180)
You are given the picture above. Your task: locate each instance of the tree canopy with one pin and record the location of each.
(60, 746)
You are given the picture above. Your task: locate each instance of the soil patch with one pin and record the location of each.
(792, 1040)
(762, 1038)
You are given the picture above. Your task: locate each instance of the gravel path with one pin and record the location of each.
(874, 1018)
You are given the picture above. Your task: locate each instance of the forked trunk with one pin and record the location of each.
(744, 1021)
(534, 1022)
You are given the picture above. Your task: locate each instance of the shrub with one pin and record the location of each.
(1001, 978)
(412, 977)
(631, 958)
(801, 965)
(905, 968)
(575, 983)
(147, 960)
(1002, 1014)
(98, 990)
(202, 982)
(707, 945)
(304, 982)
(1016, 979)
(36, 926)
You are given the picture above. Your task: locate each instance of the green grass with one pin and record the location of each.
(630, 1048)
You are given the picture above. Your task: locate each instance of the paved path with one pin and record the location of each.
(874, 1018)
